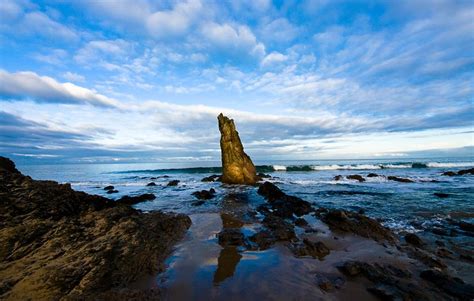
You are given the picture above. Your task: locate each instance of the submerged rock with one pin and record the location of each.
(110, 187)
(237, 167)
(463, 172)
(398, 179)
(212, 178)
(151, 184)
(372, 175)
(173, 183)
(441, 194)
(112, 191)
(57, 243)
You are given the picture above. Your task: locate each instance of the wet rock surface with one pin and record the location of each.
(308, 248)
(212, 178)
(463, 172)
(237, 167)
(355, 223)
(57, 243)
(281, 204)
(398, 179)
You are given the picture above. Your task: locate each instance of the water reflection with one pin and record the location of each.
(228, 260)
(229, 256)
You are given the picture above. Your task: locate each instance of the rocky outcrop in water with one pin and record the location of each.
(57, 243)
(463, 172)
(237, 167)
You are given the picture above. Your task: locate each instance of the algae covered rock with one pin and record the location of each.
(237, 167)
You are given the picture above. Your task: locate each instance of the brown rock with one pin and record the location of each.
(237, 167)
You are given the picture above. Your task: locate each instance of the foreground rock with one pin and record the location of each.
(281, 204)
(57, 243)
(237, 167)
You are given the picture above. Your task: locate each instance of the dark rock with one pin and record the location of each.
(204, 194)
(359, 224)
(197, 203)
(151, 184)
(301, 222)
(264, 239)
(112, 191)
(110, 187)
(398, 179)
(329, 282)
(308, 248)
(372, 175)
(356, 177)
(465, 226)
(440, 231)
(263, 176)
(338, 178)
(441, 195)
(419, 165)
(282, 204)
(132, 200)
(237, 167)
(414, 240)
(173, 183)
(280, 229)
(8, 165)
(212, 178)
(443, 252)
(451, 285)
(57, 243)
(231, 237)
(469, 171)
(449, 173)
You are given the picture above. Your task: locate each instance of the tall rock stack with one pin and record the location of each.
(237, 167)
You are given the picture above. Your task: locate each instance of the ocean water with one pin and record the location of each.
(401, 206)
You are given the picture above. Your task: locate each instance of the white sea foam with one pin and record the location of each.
(456, 164)
(279, 167)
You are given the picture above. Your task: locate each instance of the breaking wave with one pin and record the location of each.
(301, 168)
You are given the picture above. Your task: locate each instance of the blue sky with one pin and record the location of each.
(143, 81)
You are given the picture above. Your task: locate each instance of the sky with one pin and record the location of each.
(143, 81)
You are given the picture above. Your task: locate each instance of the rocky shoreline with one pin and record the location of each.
(57, 243)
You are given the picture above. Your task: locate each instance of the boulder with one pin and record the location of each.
(413, 239)
(110, 187)
(8, 165)
(237, 167)
(151, 184)
(212, 178)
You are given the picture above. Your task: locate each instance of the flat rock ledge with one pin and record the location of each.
(61, 244)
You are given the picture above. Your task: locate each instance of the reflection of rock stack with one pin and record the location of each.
(237, 167)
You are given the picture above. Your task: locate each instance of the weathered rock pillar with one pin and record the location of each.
(237, 167)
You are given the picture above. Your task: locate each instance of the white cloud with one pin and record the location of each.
(74, 77)
(53, 56)
(39, 23)
(30, 85)
(233, 37)
(274, 58)
(279, 30)
(173, 22)
(102, 49)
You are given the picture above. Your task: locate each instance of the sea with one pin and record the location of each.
(399, 206)
(432, 206)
